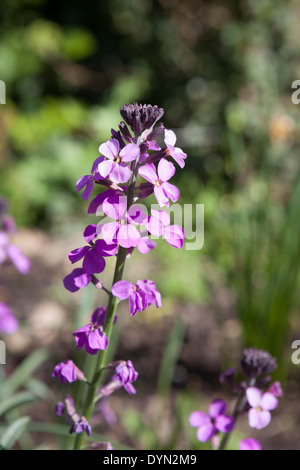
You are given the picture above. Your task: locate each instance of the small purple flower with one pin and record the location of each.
(77, 279)
(125, 372)
(120, 231)
(250, 444)
(8, 322)
(159, 224)
(87, 181)
(162, 189)
(175, 152)
(141, 295)
(115, 166)
(93, 254)
(67, 371)
(261, 404)
(209, 424)
(124, 375)
(91, 336)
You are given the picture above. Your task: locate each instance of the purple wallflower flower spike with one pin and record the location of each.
(261, 405)
(67, 371)
(250, 444)
(162, 189)
(115, 166)
(175, 152)
(8, 322)
(209, 424)
(141, 295)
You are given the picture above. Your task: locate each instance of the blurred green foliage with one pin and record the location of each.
(223, 73)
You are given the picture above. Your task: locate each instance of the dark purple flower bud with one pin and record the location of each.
(157, 131)
(256, 362)
(228, 375)
(140, 117)
(125, 132)
(60, 408)
(117, 135)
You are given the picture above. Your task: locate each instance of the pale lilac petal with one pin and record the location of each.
(199, 418)
(137, 215)
(171, 191)
(128, 236)
(115, 206)
(170, 137)
(268, 401)
(165, 170)
(217, 407)
(122, 289)
(264, 419)
(155, 227)
(149, 173)
(93, 262)
(8, 322)
(174, 235)
(78, 254)
(105, 168)
(109, 232)
(161, 197)
(110, 149)
(204, 433)
(162, 216)
(20, 261)
(179, 156)
(145, 245)
(97, 340)
(120, 173)
(250, 444)
(129, 389)
(254, 396)
(253, 417)
(130, 152)
(224, 423)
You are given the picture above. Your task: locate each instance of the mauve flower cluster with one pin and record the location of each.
(130, 154)
(256, 396)
(9, 252)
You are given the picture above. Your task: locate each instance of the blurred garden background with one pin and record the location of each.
(223, 72)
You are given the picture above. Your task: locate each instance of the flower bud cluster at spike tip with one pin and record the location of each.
(140, 117)
(256, 362)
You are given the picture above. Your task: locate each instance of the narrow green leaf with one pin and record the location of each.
(26, 368)
(13, 432)
(15, 401)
